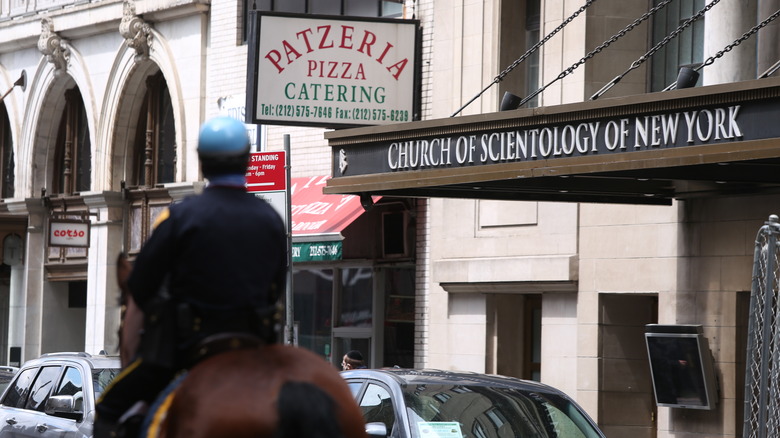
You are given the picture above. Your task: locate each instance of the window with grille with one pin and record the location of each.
(154, 162)
(686, 50)
(6, 156)
(73, 155)
(155, 142)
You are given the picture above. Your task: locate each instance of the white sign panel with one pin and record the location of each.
(278, 201)
(68, 233)
(318, 71)
(235, 107)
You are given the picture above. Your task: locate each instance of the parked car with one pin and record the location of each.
(54, 395)
(406, 403)
(6, 374)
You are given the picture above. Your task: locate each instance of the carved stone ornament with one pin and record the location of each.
(53, 47)
(136, 32)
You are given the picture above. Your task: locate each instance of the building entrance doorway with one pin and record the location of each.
(626, 400)
(64, 316)
(514, 344)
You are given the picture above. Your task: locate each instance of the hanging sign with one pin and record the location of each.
(266, 177)
(69, 233)
(331, 71)
(316, 251)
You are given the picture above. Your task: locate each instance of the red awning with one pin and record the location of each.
(317, 216)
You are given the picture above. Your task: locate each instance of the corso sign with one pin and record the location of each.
(68, 233)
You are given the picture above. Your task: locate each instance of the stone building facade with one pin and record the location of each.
(100, 126)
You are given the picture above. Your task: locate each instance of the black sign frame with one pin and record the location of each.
(253, 61)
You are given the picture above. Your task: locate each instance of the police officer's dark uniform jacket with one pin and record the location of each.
(215, 263)
(221, 258)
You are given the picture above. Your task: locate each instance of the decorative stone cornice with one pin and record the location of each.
(136, 32)
(53, 46)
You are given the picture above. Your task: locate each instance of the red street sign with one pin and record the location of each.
(266, 172)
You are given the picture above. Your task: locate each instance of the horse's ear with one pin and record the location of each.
(123, 268)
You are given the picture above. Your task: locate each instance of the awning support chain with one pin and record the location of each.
(657, 47)
(598, 49)
(528, 53)
(736, 42)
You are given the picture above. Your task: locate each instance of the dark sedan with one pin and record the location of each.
(404, 403)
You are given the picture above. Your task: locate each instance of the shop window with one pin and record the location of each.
(357, 298)
(686, 50)
(77, 295)
(6, 156)
(335, 311)
(399, 317)
(73, 156)
(313, 307)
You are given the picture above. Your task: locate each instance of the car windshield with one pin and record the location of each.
(483, 411)
(101, 377)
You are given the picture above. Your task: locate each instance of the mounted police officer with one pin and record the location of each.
(208, 279)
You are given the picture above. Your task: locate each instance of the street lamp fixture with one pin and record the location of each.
(21, 82)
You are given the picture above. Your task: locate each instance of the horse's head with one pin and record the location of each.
(131, 316)
(123, 269)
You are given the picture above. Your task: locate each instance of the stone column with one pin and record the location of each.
(27, 280)
(768, 49)
(725, 23)
(106, 242)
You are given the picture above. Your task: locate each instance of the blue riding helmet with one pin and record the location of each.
(223, 146)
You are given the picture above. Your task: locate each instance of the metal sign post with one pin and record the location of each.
(289, 328)
(268, 177)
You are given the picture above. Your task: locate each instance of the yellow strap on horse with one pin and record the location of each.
(159, 416)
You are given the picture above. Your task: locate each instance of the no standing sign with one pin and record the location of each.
(267, 179)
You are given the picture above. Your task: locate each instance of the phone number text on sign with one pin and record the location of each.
(328, 112)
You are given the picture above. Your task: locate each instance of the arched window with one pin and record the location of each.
(155, 141)
(6, 156)
(73, 156)
(154, 162)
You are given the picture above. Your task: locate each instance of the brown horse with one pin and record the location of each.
(274, 391)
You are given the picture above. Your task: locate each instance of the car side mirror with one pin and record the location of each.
(377, 429)
(63, 406)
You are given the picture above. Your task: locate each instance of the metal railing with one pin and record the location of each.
(762, 366)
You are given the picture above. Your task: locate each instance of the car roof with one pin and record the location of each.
(94, 361)
(441, 377)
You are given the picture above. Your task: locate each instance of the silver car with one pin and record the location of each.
(54, 395)
(405, 403)
(6, 375)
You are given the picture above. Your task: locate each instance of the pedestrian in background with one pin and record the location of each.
(353, 360)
